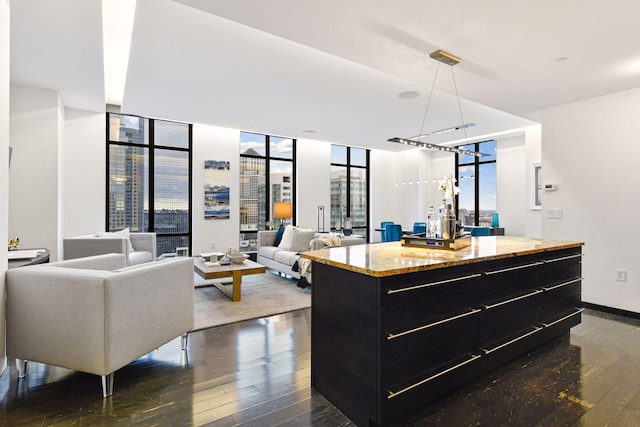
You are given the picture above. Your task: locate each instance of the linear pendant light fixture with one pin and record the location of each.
(451, 60)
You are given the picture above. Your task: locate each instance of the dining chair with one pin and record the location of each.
(419, 227)
(383, 235)
(480, 231)
(393, 232)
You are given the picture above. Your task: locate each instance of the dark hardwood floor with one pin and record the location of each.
(257, 373)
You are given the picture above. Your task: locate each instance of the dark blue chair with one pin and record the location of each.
(419, 227)
(480, 231)
(383, 236)
(393, 232)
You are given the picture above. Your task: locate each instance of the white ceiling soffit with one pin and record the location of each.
(193, 66)
(57, 45)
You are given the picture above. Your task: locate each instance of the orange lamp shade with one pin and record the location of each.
(282, 210)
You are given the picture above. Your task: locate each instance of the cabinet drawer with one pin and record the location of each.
(426, 285)
(403, 353)
(407, 396)
(560, 298)
(428, 306)
(500, 353)
(504, 318)
(561, 324)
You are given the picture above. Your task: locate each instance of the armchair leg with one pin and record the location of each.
(107, 385)
(21, 365)
(183, 341)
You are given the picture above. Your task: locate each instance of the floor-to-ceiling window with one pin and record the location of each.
(350, 189)
(267, 176)
(149, 179)
(477, 183)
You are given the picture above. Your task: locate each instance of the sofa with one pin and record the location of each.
(137, 248)
(285, 259)
(95, 314)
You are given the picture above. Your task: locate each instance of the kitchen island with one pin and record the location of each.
(396, 327)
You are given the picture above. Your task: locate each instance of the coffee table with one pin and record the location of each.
(236, 271)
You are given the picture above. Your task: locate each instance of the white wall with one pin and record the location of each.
(34, 175)
(83, 173)
(215, 143)
(511, 180)
(533, 143)
(4, 164)
(589, 150)
(312, 183)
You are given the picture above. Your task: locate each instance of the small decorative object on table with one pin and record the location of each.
(13, 244)
(233, 256)
(448, 220)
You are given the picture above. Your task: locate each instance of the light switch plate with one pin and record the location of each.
(550, 213)
(557, 213)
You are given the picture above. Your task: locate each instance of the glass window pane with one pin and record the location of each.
(281, 147)
(466, 197)
(338, 196)
(171, 199)
(128, 188)
(281, 183)
(488, 147)
(358, 157)
(358, 211)
(487, 193)
(252, 144)
(167, 244)
(466, 158)
(339, 154)
(128, 129)
(252, 194)
(171, 134)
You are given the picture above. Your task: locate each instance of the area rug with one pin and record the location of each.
(263, 295)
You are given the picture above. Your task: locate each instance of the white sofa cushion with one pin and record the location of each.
(268, 251)
(139, 257)
(122, 233)
(296, 239)
(286, 257)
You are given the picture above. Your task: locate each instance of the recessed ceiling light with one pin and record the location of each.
(409, 94)
(309, 131)
(561, 59)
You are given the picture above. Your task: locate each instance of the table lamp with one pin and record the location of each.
(282, 210)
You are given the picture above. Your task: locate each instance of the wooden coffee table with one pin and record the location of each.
(232, 270)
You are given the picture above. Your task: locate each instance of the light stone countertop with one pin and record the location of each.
(389, 259)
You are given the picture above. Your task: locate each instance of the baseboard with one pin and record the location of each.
(611, 310)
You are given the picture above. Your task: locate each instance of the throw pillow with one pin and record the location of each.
(279, 236)
(296, 239)
(122, 233)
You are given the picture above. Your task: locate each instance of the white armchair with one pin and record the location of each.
(92, 315)
(136, 247)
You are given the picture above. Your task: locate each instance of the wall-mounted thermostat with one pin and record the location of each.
(550, 187)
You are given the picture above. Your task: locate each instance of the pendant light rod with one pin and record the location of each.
(451, 60)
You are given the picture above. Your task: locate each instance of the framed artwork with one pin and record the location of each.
(216, 189)
(536, 186)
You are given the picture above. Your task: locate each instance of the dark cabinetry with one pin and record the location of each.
(384, 346)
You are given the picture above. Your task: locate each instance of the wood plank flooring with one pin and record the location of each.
(257, 373)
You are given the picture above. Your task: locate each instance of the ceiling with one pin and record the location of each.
(333, 70)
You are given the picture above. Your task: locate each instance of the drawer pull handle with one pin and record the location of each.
(424, 285)
(578, 311)
(514, 268)
(420, 328)
(536, 329)
(393, 394)
(489, 306)
(563, 258)
(550, 288)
